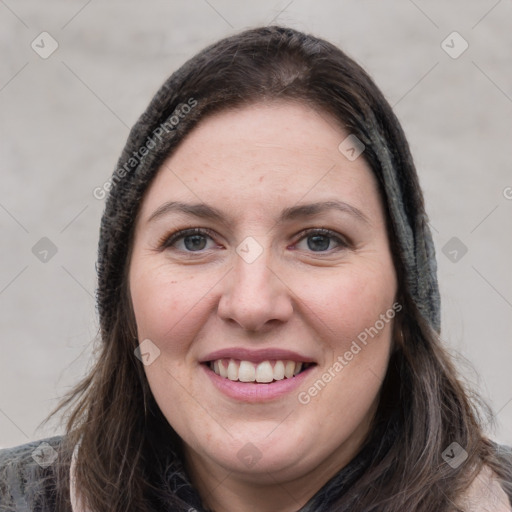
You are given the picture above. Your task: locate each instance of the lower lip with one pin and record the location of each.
(253, 391)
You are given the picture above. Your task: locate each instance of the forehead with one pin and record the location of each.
(263, 154)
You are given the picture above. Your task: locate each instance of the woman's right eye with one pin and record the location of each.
(187, 240)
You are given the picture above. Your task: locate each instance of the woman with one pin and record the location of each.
(269, 310)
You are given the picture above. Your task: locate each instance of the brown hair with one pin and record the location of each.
(114, 415)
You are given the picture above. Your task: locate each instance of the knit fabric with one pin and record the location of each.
(25, 484)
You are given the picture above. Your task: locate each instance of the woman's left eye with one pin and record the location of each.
(196, 240)
(319, 240)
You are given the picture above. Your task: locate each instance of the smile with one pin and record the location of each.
(263, 373)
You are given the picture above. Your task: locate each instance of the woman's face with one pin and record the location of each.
(289, 273)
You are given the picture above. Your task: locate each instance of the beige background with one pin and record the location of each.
(64, 121)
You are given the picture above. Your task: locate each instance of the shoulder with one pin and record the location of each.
(24, 471)
(489, 493)
(22, 451)
(505, 454)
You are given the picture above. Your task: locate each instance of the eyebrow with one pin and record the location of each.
(205, 211)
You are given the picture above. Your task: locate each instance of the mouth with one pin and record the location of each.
(264, 372)
(264, 375)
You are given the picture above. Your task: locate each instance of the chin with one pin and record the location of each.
(261, 456)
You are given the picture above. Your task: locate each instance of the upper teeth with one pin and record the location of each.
(245, 371)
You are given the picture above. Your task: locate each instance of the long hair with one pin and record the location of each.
(112, 412)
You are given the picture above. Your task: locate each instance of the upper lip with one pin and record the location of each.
(257, 356)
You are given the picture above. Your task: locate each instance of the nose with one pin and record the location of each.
(255, 297)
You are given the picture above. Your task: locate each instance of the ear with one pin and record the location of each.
(399, 327)
(398, 336)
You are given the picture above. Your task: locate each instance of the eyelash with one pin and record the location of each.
(168, 240)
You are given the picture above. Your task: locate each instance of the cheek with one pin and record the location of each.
(349, 301)
(357, 310)
(166, 305)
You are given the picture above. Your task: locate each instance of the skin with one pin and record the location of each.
(251, 163)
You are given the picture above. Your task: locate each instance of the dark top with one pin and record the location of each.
(23, 470)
